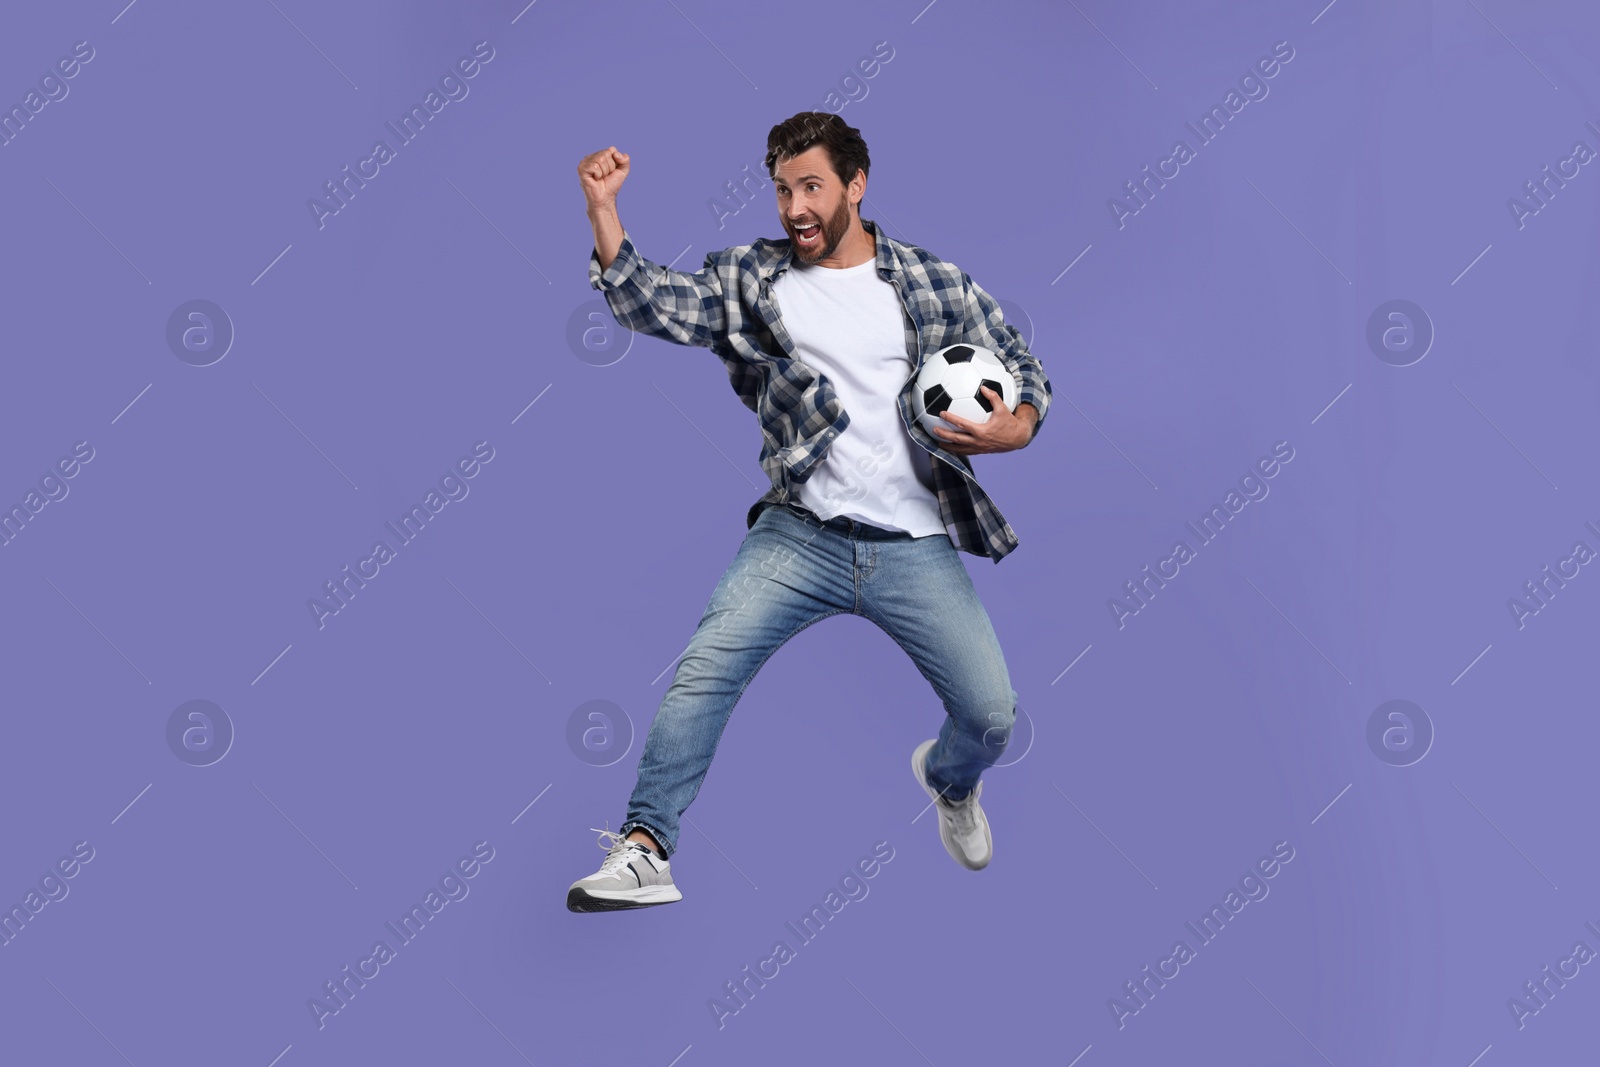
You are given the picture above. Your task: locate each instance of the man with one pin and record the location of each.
(822, 335)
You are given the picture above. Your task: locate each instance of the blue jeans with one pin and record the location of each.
(792, 570)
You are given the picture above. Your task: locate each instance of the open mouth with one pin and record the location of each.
(808, 235)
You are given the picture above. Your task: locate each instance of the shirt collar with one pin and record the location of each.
(888, 263)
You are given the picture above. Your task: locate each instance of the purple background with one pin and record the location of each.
(1229, 314)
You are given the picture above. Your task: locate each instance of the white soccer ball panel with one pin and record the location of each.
(961, 380)
(968, 408)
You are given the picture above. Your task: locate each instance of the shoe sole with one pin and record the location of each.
(580, 900)
(918, 755)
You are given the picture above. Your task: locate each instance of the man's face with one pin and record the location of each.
(812, 202)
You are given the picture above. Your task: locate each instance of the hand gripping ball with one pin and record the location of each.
(950, 380)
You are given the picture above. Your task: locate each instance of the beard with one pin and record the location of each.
(833, 230)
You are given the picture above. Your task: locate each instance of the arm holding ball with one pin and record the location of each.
(1005, 430)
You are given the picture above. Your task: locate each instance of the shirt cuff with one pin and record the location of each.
(621, 268)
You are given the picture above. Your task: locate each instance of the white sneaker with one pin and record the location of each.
(962, 825)
(631, 876)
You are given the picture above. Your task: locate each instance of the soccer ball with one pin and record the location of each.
(949, 381)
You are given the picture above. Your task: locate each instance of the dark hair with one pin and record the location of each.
(845, 148)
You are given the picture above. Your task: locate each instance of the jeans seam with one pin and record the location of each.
(740, 694)
(880, 622)
(671, 848)
(855, 579)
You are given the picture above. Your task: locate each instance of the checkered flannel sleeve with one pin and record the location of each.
(648, 298)
(986, 326)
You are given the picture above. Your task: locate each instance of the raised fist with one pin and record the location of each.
(601, 174)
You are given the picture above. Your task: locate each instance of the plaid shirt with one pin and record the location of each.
(729, 308)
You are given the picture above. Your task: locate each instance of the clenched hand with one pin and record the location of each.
(1005, 431)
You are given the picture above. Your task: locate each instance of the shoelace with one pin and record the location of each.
(618, 850)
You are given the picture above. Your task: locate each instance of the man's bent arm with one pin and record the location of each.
(986, 326)
(651, 299)
(607, 233)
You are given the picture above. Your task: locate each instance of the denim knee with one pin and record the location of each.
(995, 718)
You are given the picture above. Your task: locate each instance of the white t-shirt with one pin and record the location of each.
(848, 325)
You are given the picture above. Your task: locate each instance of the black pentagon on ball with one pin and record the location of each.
(935, 400)
(985, 400)
(959, 354)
